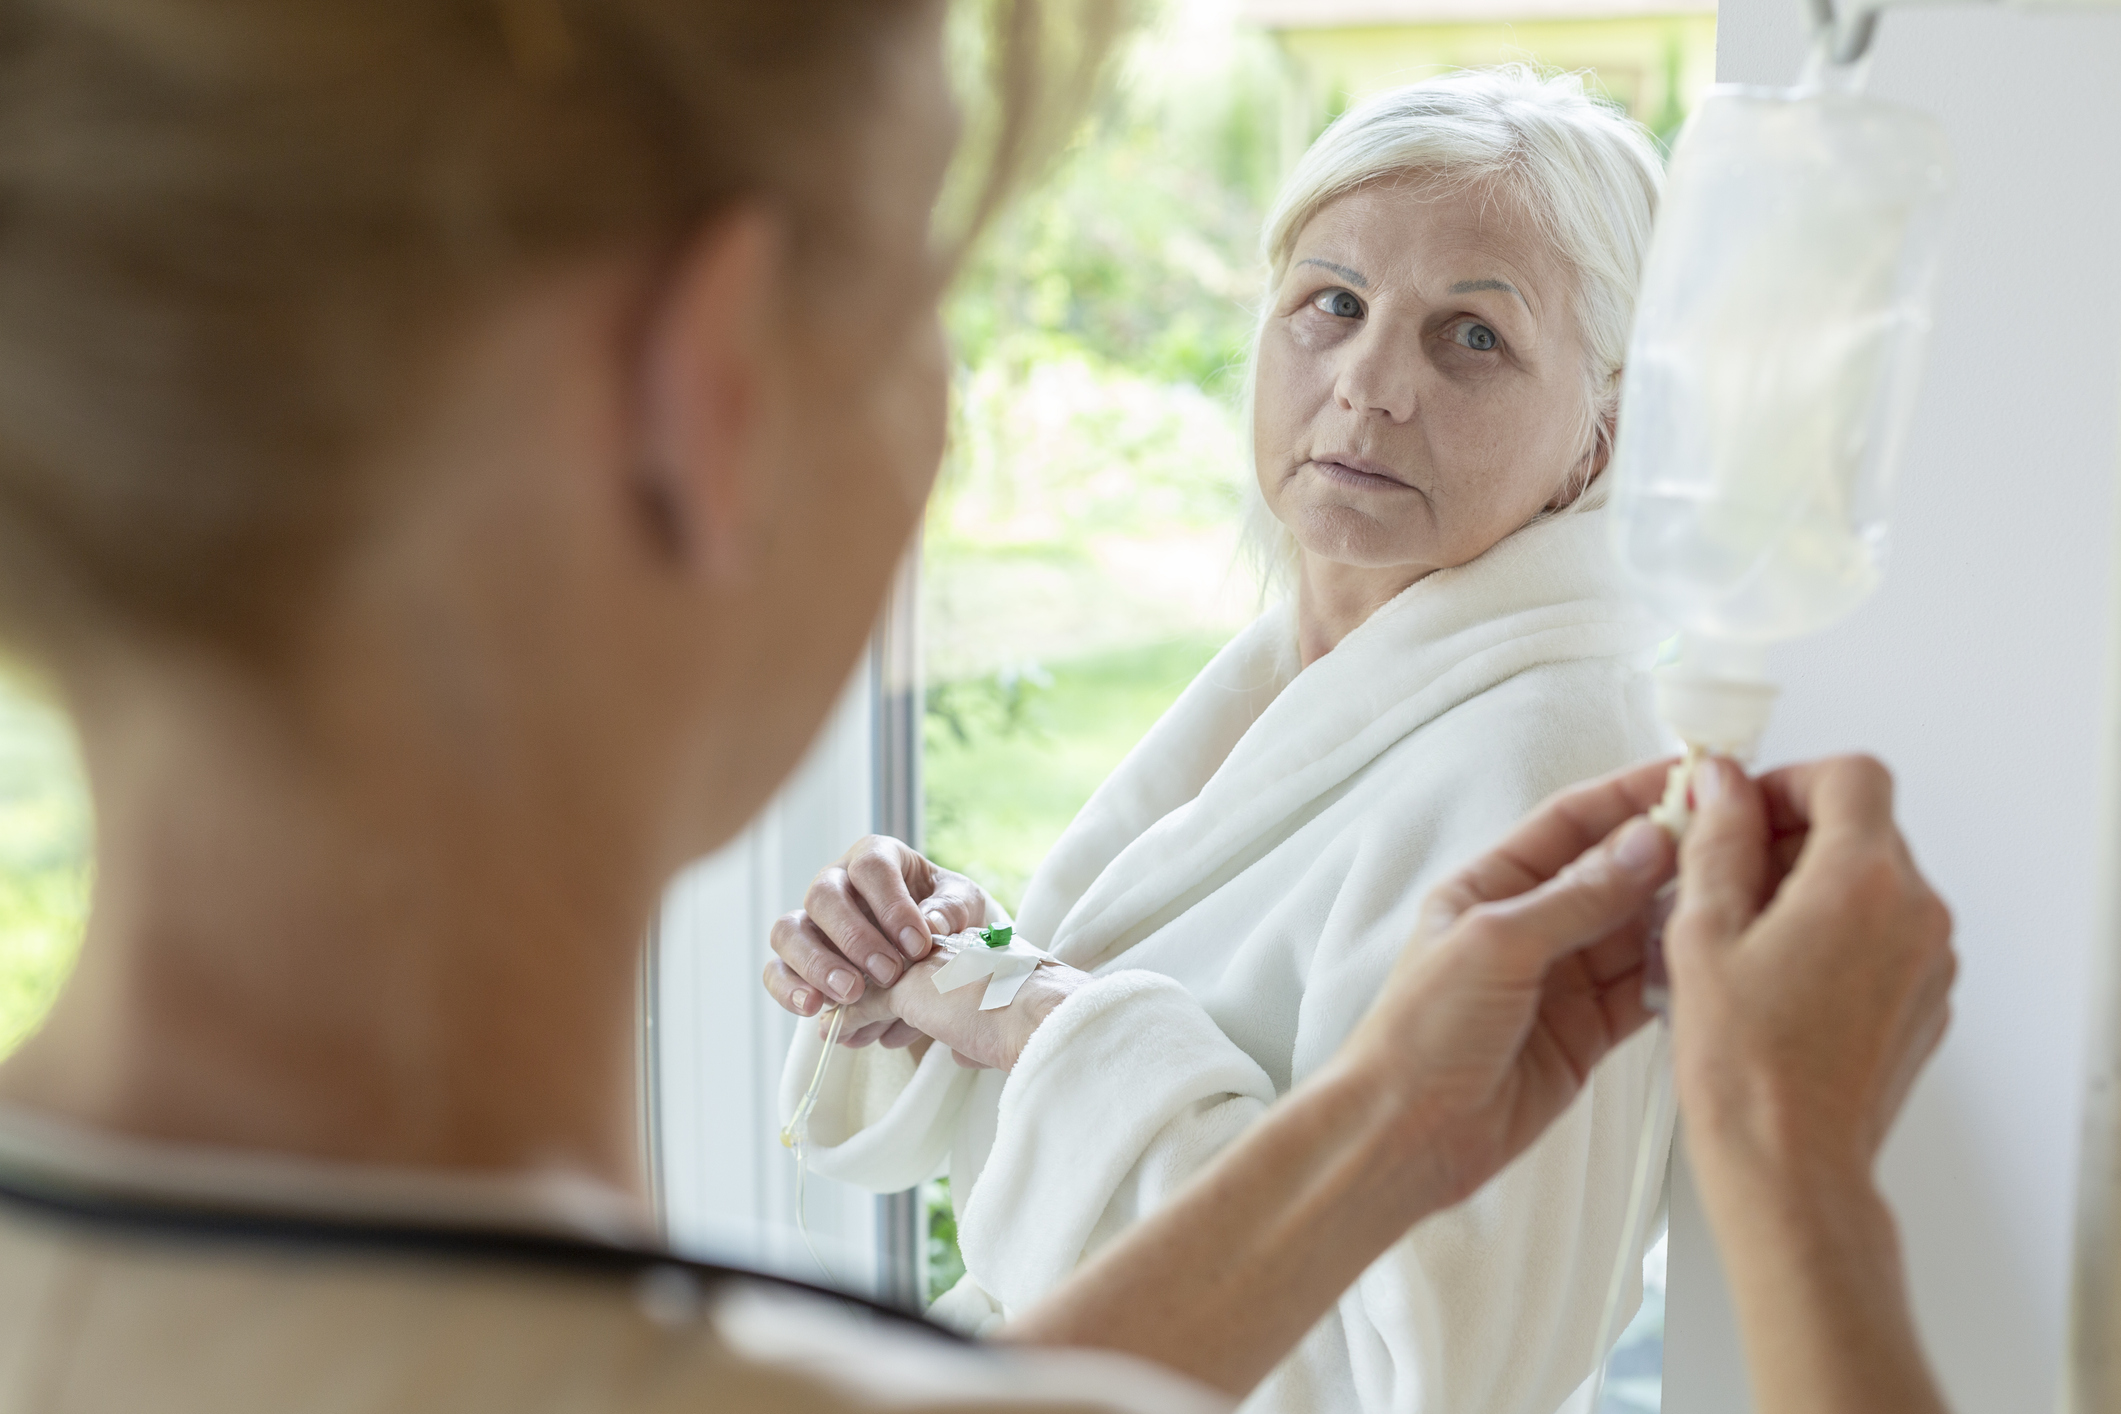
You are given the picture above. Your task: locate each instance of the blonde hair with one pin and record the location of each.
(1584, 173)
(233, 233)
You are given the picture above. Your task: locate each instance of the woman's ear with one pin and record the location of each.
(1587, 470)
(709, 360)
(1608, 428)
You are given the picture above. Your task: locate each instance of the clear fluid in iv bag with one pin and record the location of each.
(1774, 359)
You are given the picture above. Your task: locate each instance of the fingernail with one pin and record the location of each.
(801, 999)
(938, 925)
(841, 984)
(882, 968)
(1639, 847)
(1710, 782)
(912, 940)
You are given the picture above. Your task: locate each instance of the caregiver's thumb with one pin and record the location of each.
(1592, 897)
(1723, 864)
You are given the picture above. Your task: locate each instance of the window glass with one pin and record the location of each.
(1080, 559)
(44, 860)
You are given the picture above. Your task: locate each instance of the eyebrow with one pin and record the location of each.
(1467, 287)
(1351, 276)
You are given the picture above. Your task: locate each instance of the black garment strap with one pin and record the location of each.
(355, 1237)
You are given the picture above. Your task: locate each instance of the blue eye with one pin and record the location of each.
(1340, 304)
(1477, 336)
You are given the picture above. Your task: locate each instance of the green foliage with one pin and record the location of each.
(44, 862)
(997, 800)
(1002, 703)
(946, 1265)
(1140, 250)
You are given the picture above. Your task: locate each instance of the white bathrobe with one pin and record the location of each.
(1241, 886)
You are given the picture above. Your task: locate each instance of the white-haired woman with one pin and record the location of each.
(1453, 274)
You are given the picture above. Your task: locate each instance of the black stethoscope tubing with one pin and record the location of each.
(361, 1238)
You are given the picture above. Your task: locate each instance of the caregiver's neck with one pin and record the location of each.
(1334, 599)
(347, 928)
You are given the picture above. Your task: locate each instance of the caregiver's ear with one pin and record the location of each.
(709, 356)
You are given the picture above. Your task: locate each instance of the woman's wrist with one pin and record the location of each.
(994, 1038)
(1043, 994)
(1370, 1107)
(1814, 1265)
(1764, 1155)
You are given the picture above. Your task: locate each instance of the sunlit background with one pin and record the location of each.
(1080, 561)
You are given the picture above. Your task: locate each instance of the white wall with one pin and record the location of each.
(1978, 673)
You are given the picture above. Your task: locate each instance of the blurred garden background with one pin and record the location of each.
(1080, 560)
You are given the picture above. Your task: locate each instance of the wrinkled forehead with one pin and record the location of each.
(1419, 226)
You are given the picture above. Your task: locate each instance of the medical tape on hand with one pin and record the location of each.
(1006, 968)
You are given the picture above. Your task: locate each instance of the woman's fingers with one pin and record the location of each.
(858, 1037)
(1852, 793)
(1724, 864)
(956, 904)
(790, 991)
(1592, 898)
(884, 872)
(847, 924)
(812, 958)
(1557, 833)
(1805, 1005)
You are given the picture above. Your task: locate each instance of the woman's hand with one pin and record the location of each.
(1524, 971)
(914, 1010)
(1811, 968)
(879, 907)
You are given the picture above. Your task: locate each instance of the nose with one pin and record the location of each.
(1377, 375)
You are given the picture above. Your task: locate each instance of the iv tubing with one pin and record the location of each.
(1673, 814)
(795, 1135)
(1649, 1175)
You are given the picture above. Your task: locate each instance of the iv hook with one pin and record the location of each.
(1844, 36)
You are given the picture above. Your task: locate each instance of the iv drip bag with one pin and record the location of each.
(1769, 380)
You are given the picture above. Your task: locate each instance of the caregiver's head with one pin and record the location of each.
(451, 453)
(506, 370)
(1453, 273)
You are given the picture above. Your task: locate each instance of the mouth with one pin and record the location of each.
(1356, 471)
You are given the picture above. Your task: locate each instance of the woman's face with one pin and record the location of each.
(1420, 379)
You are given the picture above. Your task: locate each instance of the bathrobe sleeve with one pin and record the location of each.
(883, 1122)
(1134, 1083)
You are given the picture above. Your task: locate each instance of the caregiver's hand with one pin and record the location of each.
(874, 910)
(1811, 966)
(1525, 970)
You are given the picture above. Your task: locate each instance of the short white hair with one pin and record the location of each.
(1585, 174)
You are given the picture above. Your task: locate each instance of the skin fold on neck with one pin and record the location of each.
(1334, 599)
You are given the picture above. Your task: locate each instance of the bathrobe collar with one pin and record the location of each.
(1256, 740)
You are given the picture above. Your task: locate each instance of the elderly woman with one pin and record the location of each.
(1453, 269)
